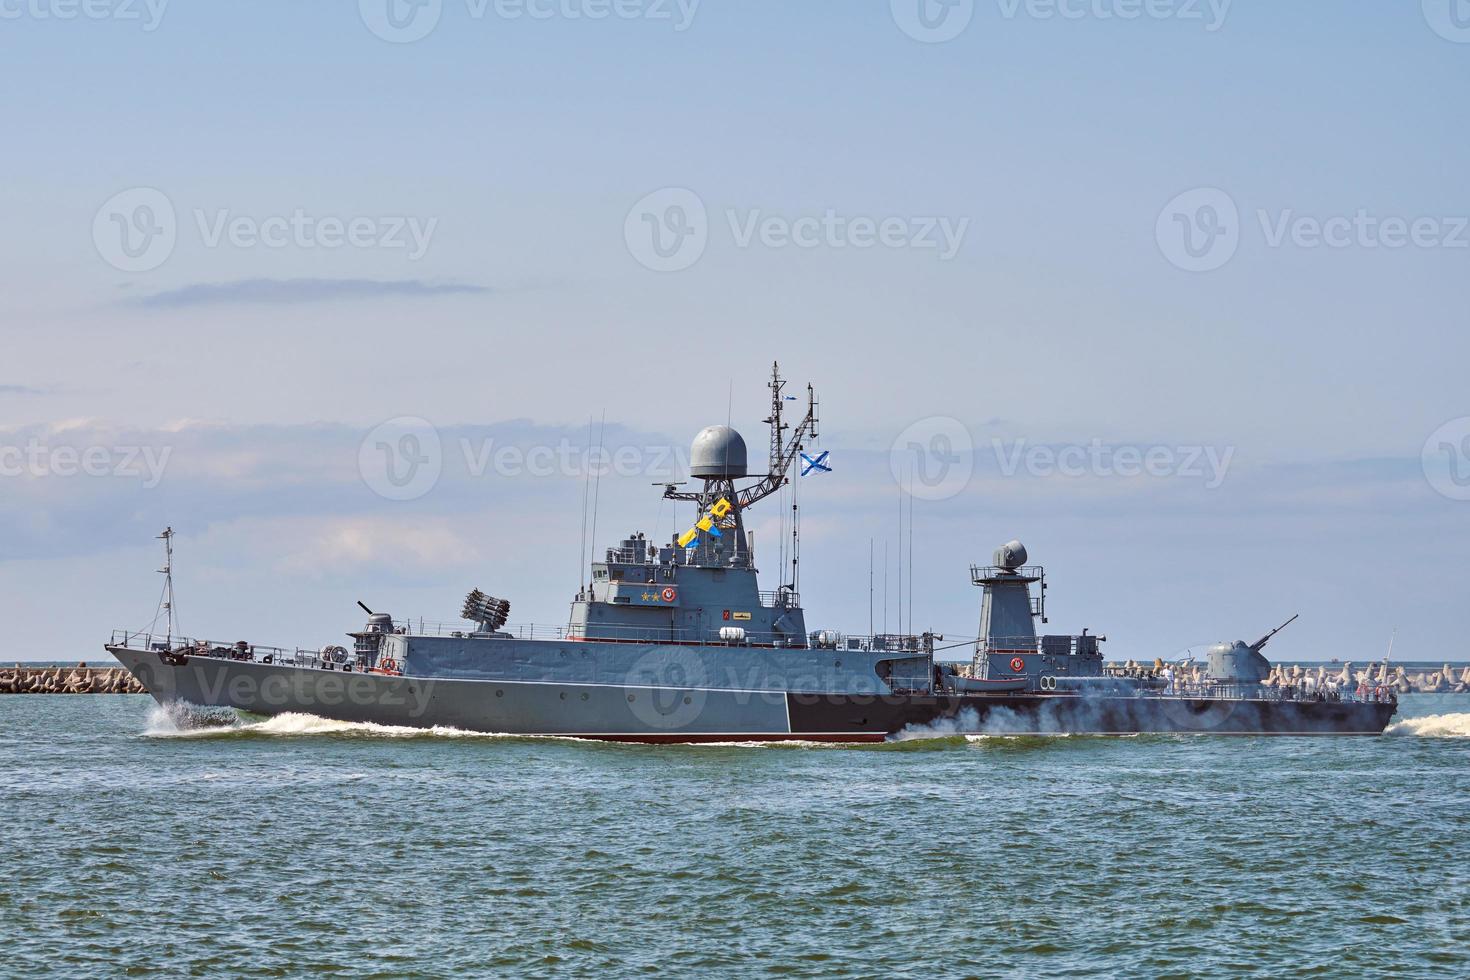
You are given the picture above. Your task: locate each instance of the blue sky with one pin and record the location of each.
(493, 178)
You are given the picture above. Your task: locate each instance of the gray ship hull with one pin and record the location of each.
(561, 708)
(650, 713)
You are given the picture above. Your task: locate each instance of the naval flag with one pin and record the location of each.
(818, 465)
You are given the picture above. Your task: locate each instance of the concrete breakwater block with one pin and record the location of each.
(1334, 677)
(68, 680)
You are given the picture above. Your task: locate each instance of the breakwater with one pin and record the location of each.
(1447, 679)
(1345, 677)
(80, 679)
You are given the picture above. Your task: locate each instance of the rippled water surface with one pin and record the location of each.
(298, 846)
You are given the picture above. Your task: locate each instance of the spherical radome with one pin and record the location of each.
(718, 453)
(1011, 555)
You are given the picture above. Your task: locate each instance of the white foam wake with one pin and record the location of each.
(182, 719)
(1433, 726)
(999, 723)
(185, 721)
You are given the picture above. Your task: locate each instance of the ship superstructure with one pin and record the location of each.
(701, 585)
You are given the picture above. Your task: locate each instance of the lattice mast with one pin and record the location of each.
(783, 452)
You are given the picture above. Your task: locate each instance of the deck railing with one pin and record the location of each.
(825, 639)
(780, 599)
(239, 650)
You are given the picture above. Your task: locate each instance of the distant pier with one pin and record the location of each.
(80, 679)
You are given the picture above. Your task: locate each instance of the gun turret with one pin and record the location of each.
(1256, 646)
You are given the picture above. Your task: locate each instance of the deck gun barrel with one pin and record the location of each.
(1256, 646)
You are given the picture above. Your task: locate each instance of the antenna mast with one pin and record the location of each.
(166, 603)
(596, 486)
(795, 543)
(778, 428)
(586, 487)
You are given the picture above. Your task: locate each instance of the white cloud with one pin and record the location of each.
(319, 548)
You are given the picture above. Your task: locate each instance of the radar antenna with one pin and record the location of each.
(783, 451)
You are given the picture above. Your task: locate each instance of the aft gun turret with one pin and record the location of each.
(1242, 663)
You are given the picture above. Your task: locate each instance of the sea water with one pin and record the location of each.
(137, 841)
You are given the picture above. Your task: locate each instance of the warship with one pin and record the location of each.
(676, 642)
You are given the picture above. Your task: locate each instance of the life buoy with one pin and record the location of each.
(1017, 665)
(669, 594)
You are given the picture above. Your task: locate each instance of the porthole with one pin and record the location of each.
(500, 694)
(838, 663)
(563, 695)
(632, 698)
(584, 696)
(688, 700)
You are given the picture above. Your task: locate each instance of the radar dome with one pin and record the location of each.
(718, 453)
(1011, 555)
